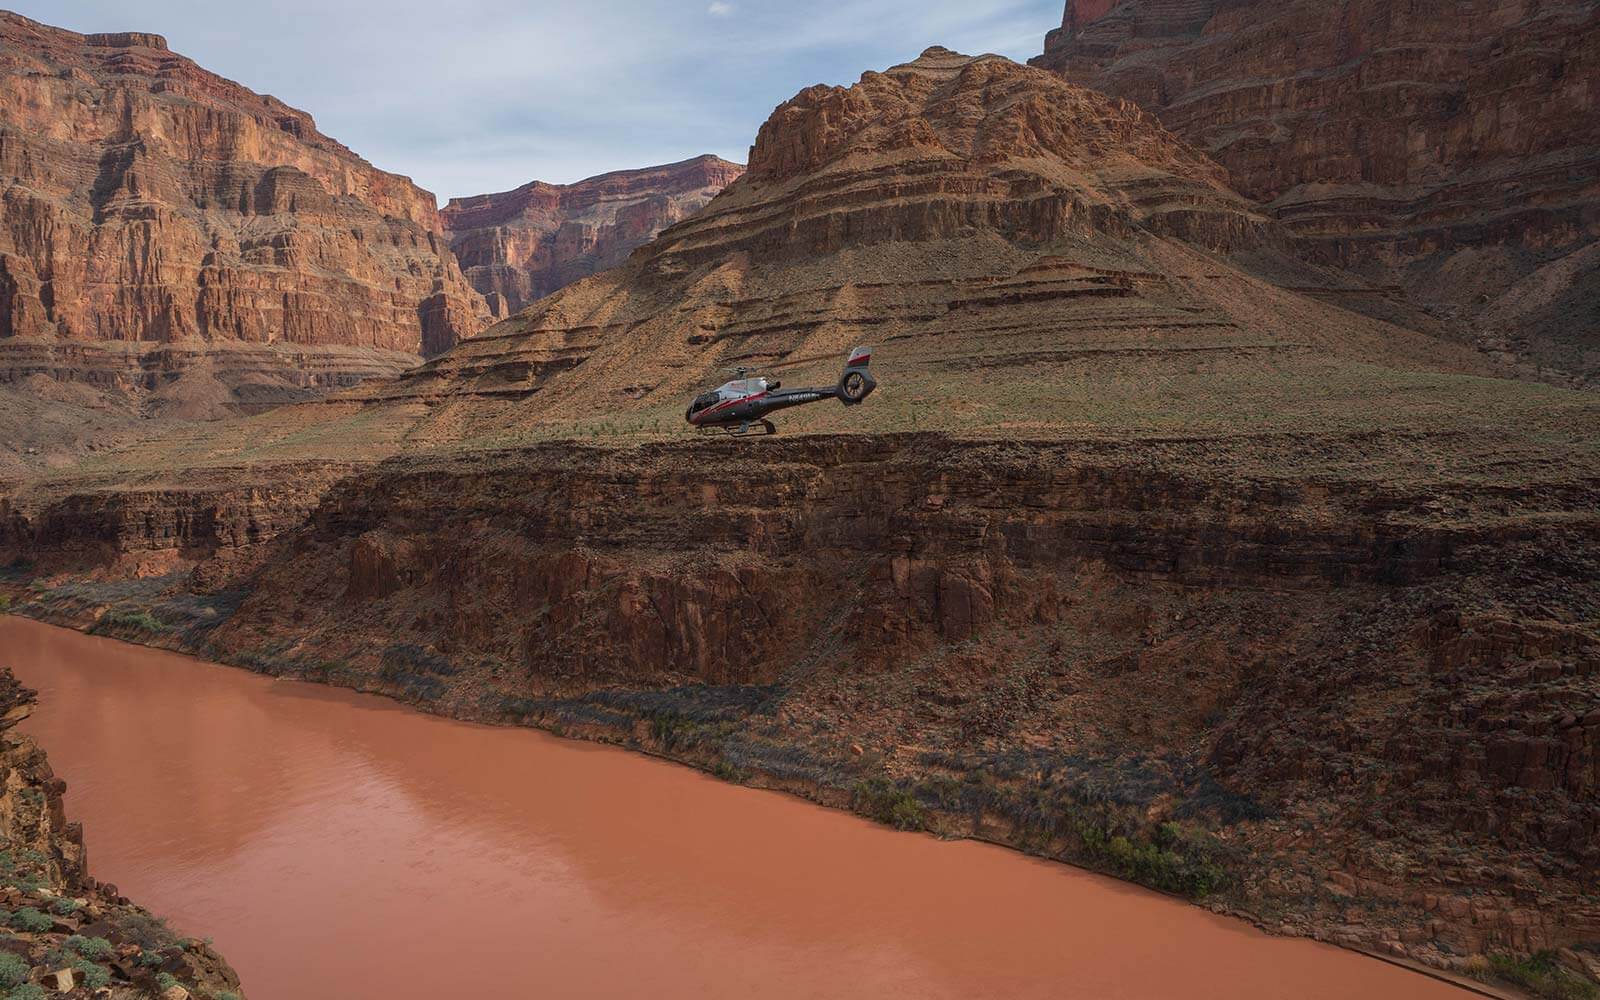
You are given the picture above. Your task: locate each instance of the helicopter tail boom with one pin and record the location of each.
(856, 382)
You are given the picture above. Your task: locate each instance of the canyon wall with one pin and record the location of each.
(1451, 149)
(146, 199)
(521, 245)
(1372, 724)
(1199, 579)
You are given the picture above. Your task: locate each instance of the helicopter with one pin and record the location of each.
(737, 406)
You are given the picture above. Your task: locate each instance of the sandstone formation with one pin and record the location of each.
(146, 199)
(518, 246)
(962, 213)
(1452, 149)
(1147, 554)
(66, 930)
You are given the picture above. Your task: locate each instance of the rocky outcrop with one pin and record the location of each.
(1450, 149)
(146, 199)
(521, 245)
(66, 930)
(219, 512)
(959, 212)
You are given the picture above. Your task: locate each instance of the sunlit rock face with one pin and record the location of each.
(143, 198)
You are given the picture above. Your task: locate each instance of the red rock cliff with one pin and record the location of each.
(518, 246)
(1452, 148)
(147, 199)
(943, 202)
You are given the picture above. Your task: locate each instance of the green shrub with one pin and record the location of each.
(30, 919)
(13, 970)
(96, 948)
(1173, 861)
(671, 730)
(27, 991)
(150, 933)
(1541, 975)
(5, 603)
(65, 906)
(881, 800)
(94, 976)
(166, 981)
(135, 621)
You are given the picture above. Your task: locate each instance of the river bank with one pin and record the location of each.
(66, 932)
(312, 830)
(1309, 701)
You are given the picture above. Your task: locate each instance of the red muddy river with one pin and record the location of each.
(339, 846)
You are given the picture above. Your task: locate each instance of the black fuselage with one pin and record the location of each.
(754, 406)
(747, 401)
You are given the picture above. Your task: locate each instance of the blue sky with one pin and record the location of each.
(484, 95)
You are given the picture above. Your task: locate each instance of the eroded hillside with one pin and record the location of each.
(519, 246)
(1148, 553)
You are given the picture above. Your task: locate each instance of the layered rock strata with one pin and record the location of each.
(146, 199)
(1208, 582)
(1341, 713)
(1450, 149)
(957, 212)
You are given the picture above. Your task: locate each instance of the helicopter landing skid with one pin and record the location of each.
(768, 428)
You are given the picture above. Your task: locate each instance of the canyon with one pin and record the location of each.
(1163, 549)
(518, 246)
(176, 247)
(976, 217)
(1446, 150)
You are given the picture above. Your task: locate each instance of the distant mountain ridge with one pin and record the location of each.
(520, 245)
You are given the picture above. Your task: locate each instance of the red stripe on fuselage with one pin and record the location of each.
(703, 414)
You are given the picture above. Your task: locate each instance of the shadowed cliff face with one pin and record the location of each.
(146, 199)
(1377, 709)
(518, 246)
(1449, 148)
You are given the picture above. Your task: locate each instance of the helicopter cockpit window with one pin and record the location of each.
(705, 400)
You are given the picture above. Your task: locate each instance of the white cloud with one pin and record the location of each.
(719, 9)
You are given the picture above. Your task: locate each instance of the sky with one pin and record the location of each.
(484, 95)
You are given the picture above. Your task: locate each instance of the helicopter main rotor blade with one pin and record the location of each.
(784, 364)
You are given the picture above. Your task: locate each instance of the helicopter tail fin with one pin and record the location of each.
(856, 383)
